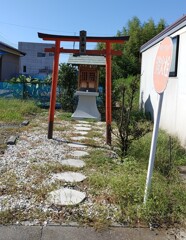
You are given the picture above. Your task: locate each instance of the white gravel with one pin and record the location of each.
(25, 181)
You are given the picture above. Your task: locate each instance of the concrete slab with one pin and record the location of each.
(73, 163)
(76, 145)
(20, 232)
(66, 197)
(82, 128)
(79, 233)
(70, 176)
(79, 153)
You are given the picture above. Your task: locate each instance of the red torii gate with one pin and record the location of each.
(108, 52)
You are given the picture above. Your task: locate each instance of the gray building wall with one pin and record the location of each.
(36, 61)
(9, 66)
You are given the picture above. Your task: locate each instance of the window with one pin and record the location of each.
(40, 54)
(51, 54)
(24, 69)
(174, 64)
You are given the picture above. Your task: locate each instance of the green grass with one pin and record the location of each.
(13, 110)
(111, 182)
(123, 183)
(66, 116)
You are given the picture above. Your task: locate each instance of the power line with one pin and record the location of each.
(47, 29)
(5, 39)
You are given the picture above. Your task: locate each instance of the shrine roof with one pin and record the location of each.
(87, 60)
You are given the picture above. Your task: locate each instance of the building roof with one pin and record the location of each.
(180, 23)
(5, 48)
(87, 60)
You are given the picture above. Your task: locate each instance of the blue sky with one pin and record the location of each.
(20, 20)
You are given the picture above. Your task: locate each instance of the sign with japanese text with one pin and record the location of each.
(162, 65)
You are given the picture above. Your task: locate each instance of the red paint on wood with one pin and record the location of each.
(53, 89)
(108, 94)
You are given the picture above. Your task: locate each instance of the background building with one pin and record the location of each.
(9, 61)
(173, 115)
(36, 62)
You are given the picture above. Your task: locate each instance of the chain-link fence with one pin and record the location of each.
(34, 91)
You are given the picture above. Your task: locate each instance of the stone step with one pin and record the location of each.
(12, 140)
(73, 163)
(81, 132)
(76, 145)
(79, 153)
(70, 177)
(83, 125)
(82, 122)
(66, 197)
(82, 128)
(182, 169)
(79, 138)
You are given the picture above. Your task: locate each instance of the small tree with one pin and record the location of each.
(67, 82)
(127, 116)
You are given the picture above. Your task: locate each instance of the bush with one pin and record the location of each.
(129, 121)
(67, 81)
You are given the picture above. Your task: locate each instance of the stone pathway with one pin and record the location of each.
(67, 196)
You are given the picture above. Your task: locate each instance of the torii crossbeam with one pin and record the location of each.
(108, 52)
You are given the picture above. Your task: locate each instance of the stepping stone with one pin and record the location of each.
(83, 125)
(76, 145)
(83, 122)
(182, 169)
(78, 138)
(12, 140)
(25, 123)
(70, 177)
(73, 163)
(66, 197)
(82, 128)
(81, 132)
(79, 153)
(183, 177)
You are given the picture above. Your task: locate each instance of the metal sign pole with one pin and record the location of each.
(160, 77)
(153, 147)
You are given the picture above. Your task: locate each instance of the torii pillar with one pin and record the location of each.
(108, 93)
(53, 89)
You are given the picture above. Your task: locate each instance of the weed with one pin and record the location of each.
(66, 116)
(8, 183)
(13, 110)
(166, 203)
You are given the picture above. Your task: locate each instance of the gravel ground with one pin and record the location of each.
(26, 171)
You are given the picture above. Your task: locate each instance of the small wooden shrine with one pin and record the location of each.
(88, 80)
